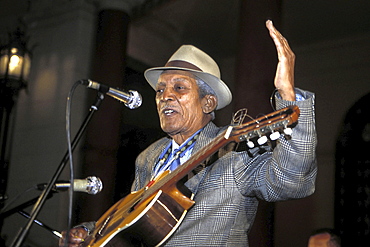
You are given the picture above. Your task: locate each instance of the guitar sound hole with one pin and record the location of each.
(134, 206)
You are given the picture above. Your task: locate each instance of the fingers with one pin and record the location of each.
(75, 237)
(284, 78)
(274, 33)
(280, 41)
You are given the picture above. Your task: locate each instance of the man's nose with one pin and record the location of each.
(168, 94)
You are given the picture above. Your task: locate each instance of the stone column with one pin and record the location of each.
(255, 69)
(256, 57)
(103, 132)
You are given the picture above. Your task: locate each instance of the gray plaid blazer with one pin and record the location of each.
(227, 192)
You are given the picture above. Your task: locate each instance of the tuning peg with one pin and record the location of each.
(274, 136)
(262, 140)
(288, 131)
(250, 144)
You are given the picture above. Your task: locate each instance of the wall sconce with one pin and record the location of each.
(15, 64)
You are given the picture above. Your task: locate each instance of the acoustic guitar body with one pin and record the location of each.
(151, 215)
(132, 220)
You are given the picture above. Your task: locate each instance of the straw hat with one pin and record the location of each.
(190, 58)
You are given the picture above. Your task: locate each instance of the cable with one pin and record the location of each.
(17, 197)
(272, 99)
(69, 143)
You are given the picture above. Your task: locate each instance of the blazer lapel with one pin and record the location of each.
(209, 132)
(153, 158)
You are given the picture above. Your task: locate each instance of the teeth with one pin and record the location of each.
(168, 111)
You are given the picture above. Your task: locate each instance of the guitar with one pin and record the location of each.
(152, 214)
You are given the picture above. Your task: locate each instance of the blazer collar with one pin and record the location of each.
(209, 132)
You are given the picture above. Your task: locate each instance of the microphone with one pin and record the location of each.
(91, 185)
(131, 99)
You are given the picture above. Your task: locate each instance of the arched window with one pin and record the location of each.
(352, 178)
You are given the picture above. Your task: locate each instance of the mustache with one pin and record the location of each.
(167, 106)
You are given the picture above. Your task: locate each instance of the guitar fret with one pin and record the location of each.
(257, 128)
(119, 217)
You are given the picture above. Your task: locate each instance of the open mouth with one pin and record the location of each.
(168, 111)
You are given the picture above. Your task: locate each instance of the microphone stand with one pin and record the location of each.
(9, 212)
(43, 225)
(19, 209)
(41, 201)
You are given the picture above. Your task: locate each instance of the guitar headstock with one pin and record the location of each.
(268, 127)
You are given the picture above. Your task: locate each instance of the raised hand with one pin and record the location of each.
(284, 77)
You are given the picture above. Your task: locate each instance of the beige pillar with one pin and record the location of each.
(103, 132)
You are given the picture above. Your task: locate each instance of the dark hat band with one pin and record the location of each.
(182, 64)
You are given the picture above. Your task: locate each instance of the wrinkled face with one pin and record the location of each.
(179, 105)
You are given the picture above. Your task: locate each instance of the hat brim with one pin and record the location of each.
(221, 90)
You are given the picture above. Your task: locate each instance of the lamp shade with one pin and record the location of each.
(15, 62)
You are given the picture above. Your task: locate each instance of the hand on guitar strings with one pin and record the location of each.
(76, 236)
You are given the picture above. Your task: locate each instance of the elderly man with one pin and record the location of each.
(226, 191)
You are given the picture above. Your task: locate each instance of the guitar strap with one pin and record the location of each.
(171, 160)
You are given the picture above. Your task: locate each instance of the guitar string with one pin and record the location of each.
(161, 182)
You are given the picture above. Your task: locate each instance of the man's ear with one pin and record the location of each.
(209, 103)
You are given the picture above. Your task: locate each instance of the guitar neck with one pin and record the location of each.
(161, 213)
(273, 122)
